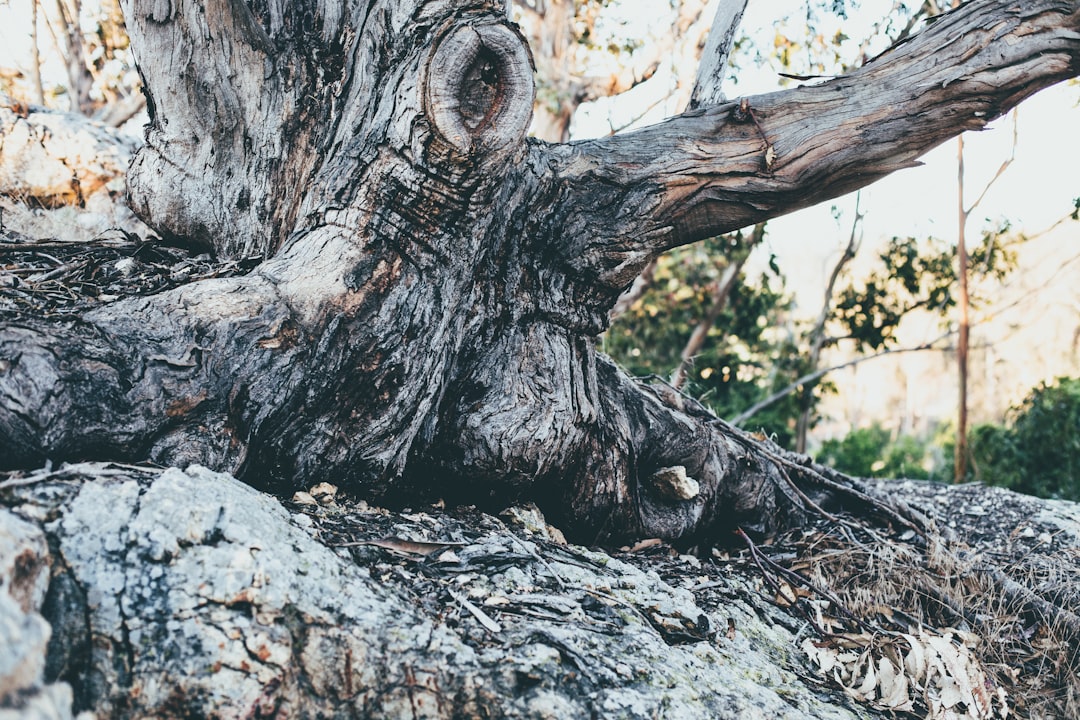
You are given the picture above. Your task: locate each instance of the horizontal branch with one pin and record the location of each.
(816, 375)
(711, 171)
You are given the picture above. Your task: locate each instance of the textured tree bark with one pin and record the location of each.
(423, 323)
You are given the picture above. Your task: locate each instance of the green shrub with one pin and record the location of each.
(872, 452)
(857, 452)
(1038, 452)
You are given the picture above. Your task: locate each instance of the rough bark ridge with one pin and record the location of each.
(423, 322)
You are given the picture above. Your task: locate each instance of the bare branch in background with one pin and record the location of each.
(710, 74)
(719, 300)
(817, 334)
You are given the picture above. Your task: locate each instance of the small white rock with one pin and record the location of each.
(125, 266)
(674, 483)
(303, 498)
(324, 492)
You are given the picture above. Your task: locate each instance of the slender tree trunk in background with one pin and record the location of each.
(80, 81)
(818, 335)
(964, 329)
(717, 302)
(964, 299)
(35, 56)
(715, 53)
(423, 322)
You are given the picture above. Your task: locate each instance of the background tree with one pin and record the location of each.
(715, 334)
(90, 41)
(1038, 451)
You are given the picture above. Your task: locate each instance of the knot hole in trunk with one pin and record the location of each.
(479, 87)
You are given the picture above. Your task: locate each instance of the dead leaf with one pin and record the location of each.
(893, 686)
(644, 545)
(484, 619)
(406, 547)
(770, 156)
(786, 596)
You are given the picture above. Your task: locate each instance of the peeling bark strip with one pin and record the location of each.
(423, 324)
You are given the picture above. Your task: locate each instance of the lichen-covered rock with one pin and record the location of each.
(203, 596)
(24, 633)
(177, 593)
(58, 158)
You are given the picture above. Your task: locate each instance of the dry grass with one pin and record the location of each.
(1023, 629)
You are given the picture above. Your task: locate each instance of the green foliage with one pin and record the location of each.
(813, 38)
(857, 452)
(873, 452)
(1038, 451)
(869, 313)
(746, 355)
(914, 274)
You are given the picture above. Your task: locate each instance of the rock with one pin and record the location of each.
(187, 593)
(24, 636)
(24, 633)
(58, 158)
(674, 483)
(52, 702)
(204, 594)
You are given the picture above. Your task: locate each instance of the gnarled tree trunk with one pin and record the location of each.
(423, 323)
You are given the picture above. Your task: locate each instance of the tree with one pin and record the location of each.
(568, 46)
(422, 323)
(1038, 452)
(92, 44)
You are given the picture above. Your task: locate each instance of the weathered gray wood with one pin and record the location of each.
(423, 324)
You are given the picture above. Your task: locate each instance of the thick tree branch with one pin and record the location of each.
(707, 172)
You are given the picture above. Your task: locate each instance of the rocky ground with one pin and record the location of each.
(134, 592)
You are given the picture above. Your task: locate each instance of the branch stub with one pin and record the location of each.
(479, 87)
